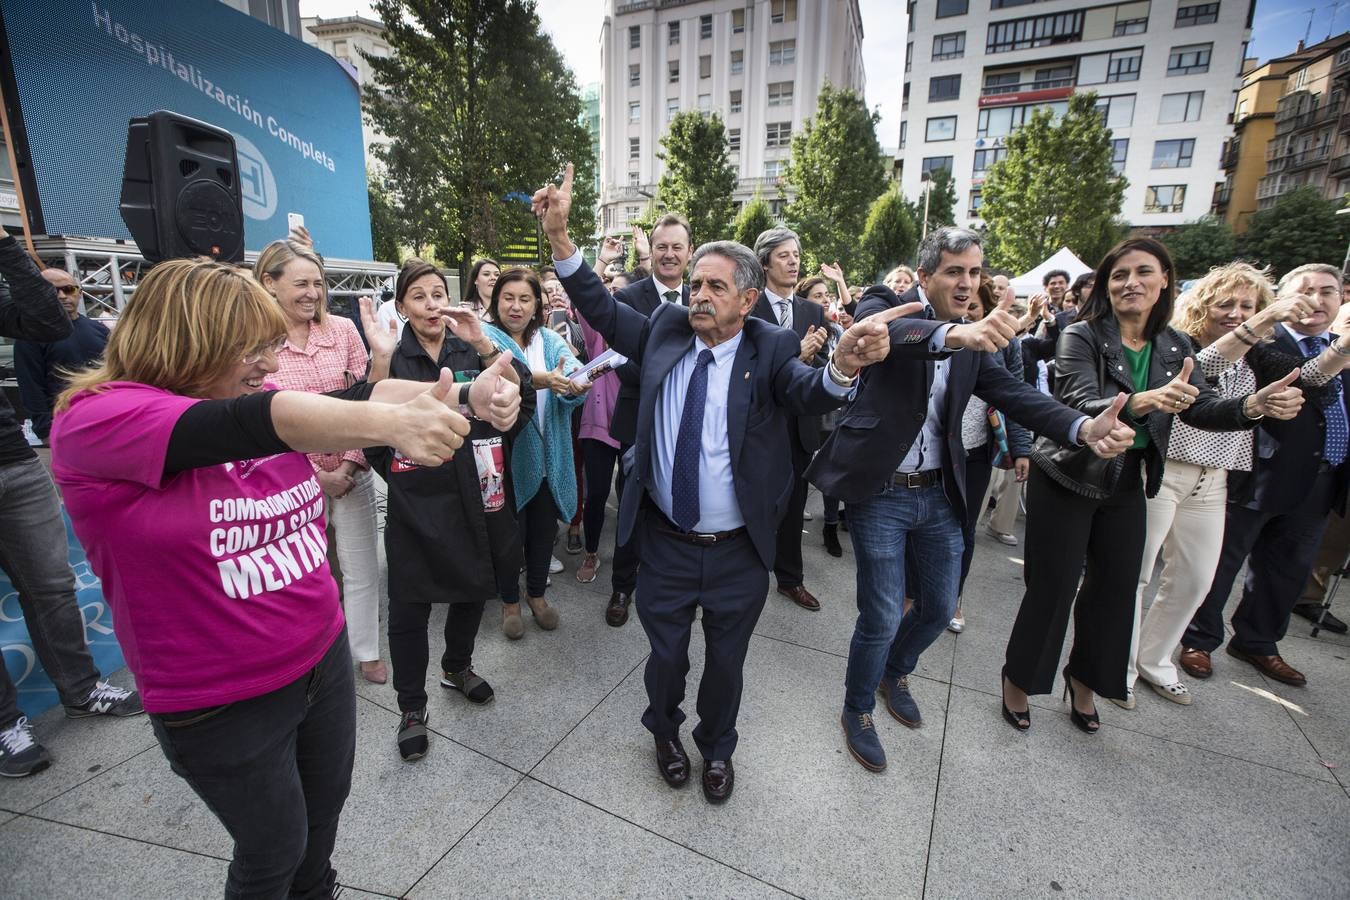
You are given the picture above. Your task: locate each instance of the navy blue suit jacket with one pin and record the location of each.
(646, 299)
(768, 384)
(873, 436)
(805, 430)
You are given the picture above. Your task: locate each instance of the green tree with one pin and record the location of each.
(890, 236)
(1302, 227)
(1198, 246)
(384, 221)
(698, 178)
(480, 109)
(941, 200)
(836, 170)
(754, 219)
(1055, 188)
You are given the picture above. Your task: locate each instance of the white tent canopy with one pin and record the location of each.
(1030, 283)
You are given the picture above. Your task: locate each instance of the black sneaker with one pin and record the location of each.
(20, 754)
(468, 683)
(412, 735)
(108, 700)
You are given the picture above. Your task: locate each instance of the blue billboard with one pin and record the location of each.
(294, 111)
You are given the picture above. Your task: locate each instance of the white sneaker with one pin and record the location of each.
(957, 625)
(554, 565)
(1001, 536)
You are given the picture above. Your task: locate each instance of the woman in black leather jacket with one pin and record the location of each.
(1080, 511)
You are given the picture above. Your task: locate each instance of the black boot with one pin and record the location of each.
(831, 535)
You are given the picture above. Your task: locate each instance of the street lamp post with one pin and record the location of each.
(927, 192)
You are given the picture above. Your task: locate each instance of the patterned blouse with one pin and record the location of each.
(333, 358)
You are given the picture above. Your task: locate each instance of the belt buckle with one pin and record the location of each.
(703, 538)
(913, 480)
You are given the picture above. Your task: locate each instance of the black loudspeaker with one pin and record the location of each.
(180, 189)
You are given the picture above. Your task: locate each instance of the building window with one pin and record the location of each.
(1199, 14)
(737, 21)
(776, 207)
(781, 11)
(1180, 107)
(1007, 4)
(704, 27)
(673, 71)
(734, 104)
(634, 37)
(780, 93)
(634, 75)
(1117, 112)
(904, 133)
(976, 201)
(948, 46)
(1128, 23)
(737, 62)
(985, 159)
(1119, 148)
(782, 53)
(1173, 154)
(705, 67)
(1124, 65)
(672, 108)
(635, 112)
(932, 164)
(634, 148)
(948, 8)
(1002, 82)
(1053, 77)
(1164, 198)
(1190, 60)
(999, 121)
(773, 168)
(1035, 31)
(909, 57)
(734, 140)
(945, 87)
(633, 179)
(778, 134)
(672, 34)
(941, 128)
(705, 103)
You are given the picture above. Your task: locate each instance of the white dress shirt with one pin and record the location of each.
(782, 308)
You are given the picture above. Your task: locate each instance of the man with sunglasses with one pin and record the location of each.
(39, 365)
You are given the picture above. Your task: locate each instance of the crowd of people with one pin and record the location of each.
(230, 426)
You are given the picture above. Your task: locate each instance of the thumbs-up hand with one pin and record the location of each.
(1106, 434)
(991, 333)
(1279, 399)
(426, 429)
(494, 395)
(1174, 397)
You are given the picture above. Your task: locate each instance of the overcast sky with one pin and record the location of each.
(575, 27)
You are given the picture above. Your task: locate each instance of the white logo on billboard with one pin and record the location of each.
(256, 183)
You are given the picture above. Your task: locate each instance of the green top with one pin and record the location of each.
(1139, 360)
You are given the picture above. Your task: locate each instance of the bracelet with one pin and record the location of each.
(1238, 335)
(465, 409)
(491, 354)
(839, 377)
(1254, 336)
(1249, 416)
(1338, 351)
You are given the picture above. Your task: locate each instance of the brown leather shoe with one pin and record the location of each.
(672, 762)
(718, 780)
(801, 596)
(1196, 663)
(1270, 666)
(617, 611)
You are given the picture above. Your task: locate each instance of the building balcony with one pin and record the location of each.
(1312, 117)
(1340, 164)
(1222, 195)
(1045, 84)
(1267, 188)
(1305, 159)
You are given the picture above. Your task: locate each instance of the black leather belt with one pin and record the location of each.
(697, 538)
(917, 479)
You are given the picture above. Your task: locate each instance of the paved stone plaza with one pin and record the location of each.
(551, 790)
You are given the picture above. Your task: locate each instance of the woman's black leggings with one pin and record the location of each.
(599, 458)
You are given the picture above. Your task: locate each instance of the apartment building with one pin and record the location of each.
(760, 64)
(1164, 71)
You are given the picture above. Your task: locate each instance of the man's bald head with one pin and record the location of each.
(67, 290)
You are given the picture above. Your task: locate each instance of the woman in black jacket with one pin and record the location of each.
(450, 532)
(1082, 511)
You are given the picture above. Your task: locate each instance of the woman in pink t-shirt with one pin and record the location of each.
(185, 478)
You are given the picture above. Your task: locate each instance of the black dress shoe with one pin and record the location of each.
(1313, 612)
(617, 611)
(718, 780)
(672, 761)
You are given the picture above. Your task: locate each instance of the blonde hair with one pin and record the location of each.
(899, 270)
(1218, 284)
(188, 324)
(276, 256)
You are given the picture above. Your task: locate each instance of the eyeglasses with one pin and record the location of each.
(68, 290)
(255, 356)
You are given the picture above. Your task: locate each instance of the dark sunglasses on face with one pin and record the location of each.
(68, 290)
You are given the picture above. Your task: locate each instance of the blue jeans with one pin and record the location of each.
(923, 521)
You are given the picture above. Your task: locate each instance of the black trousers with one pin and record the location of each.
(623, 571)
(787, 564)
(599, 459)
(408, 651)
(729, 583)
(1065, 530)
(538, 527)
(1282, 549)
(978, 472)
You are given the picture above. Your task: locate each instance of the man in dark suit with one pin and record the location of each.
(1277, 513)
(670, 245)
(779, 251)
(711, 475)
(896, 458)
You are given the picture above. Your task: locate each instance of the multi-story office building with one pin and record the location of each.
(283, 15)
(346, 39)
(1164, 73)
(760, 64)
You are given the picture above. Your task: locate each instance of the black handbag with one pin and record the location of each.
(1078, 469)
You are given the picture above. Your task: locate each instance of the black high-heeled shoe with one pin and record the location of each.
(1088, 723)
(1019, 720)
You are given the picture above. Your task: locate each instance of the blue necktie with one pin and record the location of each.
(688, 448)
(1333, 408)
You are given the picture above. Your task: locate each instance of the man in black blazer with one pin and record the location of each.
(779, 251)
(896, 458)
(710, 476)
(671, 244)
(1277, 513)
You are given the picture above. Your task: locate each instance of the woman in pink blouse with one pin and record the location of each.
(322, 353)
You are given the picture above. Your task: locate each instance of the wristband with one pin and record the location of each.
(1249, 416)
(1252, 334)
(839, 377)
(465, 409)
